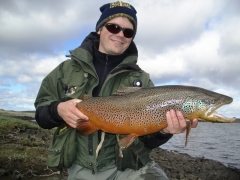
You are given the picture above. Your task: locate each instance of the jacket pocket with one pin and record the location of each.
(134, 157)
(62, 150)
(130, 79)
(73, 87)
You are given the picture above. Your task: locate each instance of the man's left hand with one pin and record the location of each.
(177, 123)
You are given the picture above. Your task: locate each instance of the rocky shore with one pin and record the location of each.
(184, 167)
(23, 152)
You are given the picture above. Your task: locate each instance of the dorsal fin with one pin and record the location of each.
(85, 97)
(127, 90)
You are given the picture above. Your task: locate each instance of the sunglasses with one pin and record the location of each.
(115, 29)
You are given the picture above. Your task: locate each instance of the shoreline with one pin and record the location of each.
(23, 143)
(183, 166)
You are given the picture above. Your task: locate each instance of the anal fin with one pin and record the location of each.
(127, 141)
(188, 129)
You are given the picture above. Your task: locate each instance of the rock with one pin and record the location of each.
(2, 171)
(184, 167)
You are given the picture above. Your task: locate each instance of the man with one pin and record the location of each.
(105, 62)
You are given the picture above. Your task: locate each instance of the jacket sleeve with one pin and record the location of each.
(48, 99)
(47, 116)
(155, 140)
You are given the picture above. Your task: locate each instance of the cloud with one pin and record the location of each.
(179, 42)
(41, 26)
(167, 24)
(30, 67)
(11, 100)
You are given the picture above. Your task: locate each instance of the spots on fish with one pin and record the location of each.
(132, 114)
(145, 129)
(196, 106)
(146, 108)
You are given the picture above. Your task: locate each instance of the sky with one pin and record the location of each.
(184, 42)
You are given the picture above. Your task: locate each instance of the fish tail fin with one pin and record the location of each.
(188, 129)
(126, 141)
(85, 127)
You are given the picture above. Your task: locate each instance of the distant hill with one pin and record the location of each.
(238, 120)
(17, 113)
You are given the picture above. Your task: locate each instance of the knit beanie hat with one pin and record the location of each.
(117, 9)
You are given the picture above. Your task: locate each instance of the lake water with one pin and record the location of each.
(216, 141)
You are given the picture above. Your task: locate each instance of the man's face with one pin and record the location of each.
(114, 44)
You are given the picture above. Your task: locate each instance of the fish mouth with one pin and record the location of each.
(213, 115)
(217, 117)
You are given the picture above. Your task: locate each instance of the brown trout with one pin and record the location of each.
(138, 111)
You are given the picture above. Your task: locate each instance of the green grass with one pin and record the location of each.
(8, 124)
(17, 113)
(23, 146)
(17, 152)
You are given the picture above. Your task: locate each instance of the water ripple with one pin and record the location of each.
(216, 141)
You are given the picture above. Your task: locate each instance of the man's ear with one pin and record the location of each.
(98, 32)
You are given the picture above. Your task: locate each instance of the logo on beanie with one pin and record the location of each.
(119, 3)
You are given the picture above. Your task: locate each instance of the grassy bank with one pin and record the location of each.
(23, 148)
(28, 114)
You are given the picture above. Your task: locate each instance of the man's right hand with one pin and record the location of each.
(70, 114)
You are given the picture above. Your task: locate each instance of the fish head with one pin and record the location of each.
(204, 105)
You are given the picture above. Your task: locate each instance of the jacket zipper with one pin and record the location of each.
(101, 84)
(104, 72)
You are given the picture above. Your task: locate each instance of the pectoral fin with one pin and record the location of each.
(85, 127)
(188, 129)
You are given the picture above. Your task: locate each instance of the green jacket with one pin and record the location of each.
(79, 72)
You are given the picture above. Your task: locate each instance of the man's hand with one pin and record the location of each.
(70, 114)
(177, 123)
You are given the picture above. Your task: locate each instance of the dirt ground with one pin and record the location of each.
(23, 152)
